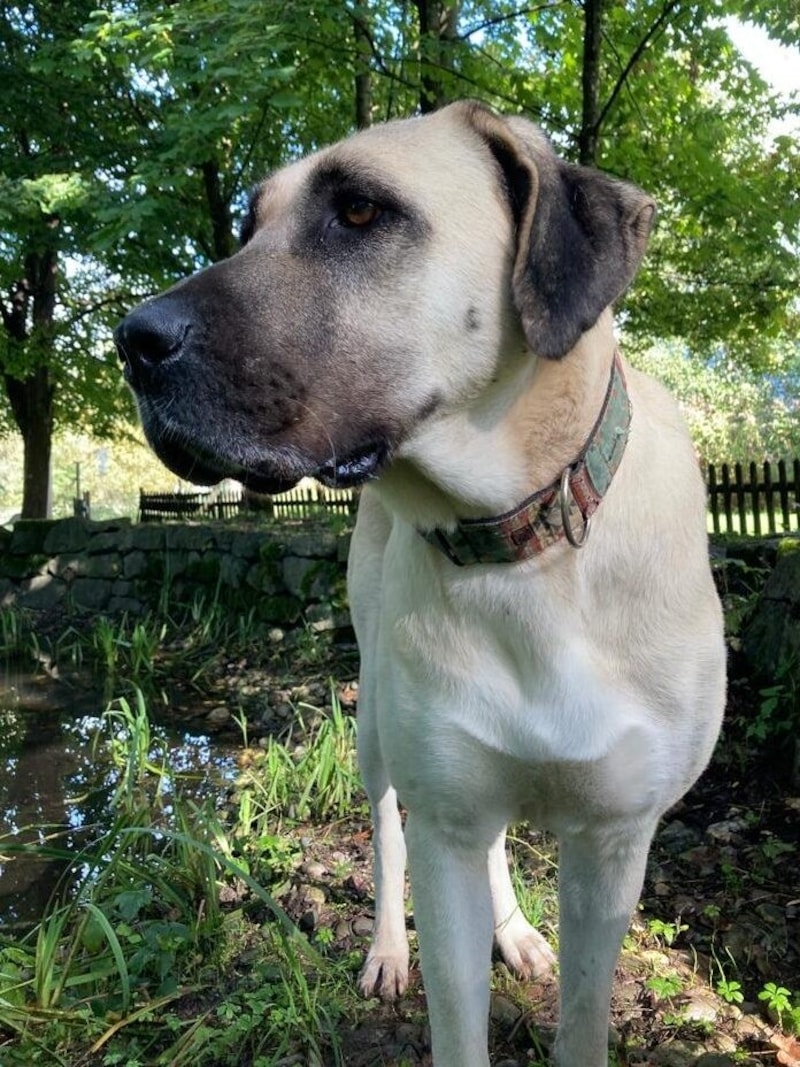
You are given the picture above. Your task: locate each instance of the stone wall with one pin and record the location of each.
(279, 572)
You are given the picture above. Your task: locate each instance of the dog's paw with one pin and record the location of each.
(385, 974)
(523, 948)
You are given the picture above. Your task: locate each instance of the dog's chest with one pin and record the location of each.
(492, 697)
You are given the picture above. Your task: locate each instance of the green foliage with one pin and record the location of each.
(317, 779)
(735, 413)
(138, 926)
(131, 134)
(730, 990)
(665, 931)
(779, 1002)
(778, 715)
(664, 986)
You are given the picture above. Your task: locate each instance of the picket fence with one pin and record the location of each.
(754, 499)
(300, 502)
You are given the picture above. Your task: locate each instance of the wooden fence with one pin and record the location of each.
(310, 499)
(752, 499)
(155, 507)
(300, 502)
(755, 499)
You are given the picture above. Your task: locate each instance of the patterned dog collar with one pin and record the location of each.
(563, 510)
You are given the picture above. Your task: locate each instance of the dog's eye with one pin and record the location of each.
(358, 213)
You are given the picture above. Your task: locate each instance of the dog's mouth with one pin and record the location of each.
(270, 470)
(363, 464)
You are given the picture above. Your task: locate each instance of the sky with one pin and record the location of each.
(780, 66)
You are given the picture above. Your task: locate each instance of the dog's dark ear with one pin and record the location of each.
(580, 234)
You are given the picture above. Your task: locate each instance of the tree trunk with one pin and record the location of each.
(438, 20)
(590, 82)
(363, 80)
(32, 404)
(29, 322)
(219, 210)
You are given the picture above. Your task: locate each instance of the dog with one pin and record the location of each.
(424, 309)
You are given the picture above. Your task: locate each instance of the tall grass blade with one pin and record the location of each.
(116, 950)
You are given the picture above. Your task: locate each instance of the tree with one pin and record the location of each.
(131, 134)
(54, 133)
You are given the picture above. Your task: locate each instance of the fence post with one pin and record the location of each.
(754, 496)
(769, 489)
(783, 494)
(727, 497)
(741, 504)
(712, 497)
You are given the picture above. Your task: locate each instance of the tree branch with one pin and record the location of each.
(487, 23)
(635, 56)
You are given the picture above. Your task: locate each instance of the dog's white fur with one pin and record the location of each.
(581, 690)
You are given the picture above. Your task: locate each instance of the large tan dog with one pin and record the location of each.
(426, 306)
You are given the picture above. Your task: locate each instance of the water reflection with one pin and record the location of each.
(57, 779)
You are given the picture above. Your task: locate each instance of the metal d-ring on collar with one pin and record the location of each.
(564, 494)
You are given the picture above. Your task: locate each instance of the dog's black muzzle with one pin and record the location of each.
(208, 418)
(183, 402)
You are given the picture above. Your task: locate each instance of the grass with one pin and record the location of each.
(137, 932)
(750, 524)
(167, 940)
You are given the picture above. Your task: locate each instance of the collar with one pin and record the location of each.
(562, 510)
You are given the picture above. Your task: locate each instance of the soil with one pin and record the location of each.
(721, 901)
(721, 898)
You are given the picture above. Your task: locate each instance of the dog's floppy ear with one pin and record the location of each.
(580, 234)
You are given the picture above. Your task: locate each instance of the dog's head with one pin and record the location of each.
(380, 281)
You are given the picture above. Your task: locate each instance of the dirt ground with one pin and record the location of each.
(718, 923)
(720, 905)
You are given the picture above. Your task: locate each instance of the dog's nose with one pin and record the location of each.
(148, 337)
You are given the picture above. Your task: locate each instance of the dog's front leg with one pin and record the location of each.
(523, 948)
(453, 917)
(386, 968)
(600, 879)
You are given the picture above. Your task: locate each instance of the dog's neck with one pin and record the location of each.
(516, 439)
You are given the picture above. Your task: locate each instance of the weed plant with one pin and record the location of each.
(131, 962)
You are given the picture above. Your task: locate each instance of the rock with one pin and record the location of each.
(677, 837)
(363, 926)
(725, 1043)
(217, 716)
(91, 593)
(299, 575)
(701, 1007)
(727, 831)
(503, 1010)
(313, 895)
(342, 931)
(313, 869)
(42, 592)
(676, 1054)
(357, 887)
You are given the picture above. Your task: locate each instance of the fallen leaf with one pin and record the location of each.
(788, 1050)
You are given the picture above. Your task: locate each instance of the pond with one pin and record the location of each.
(57, 777)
